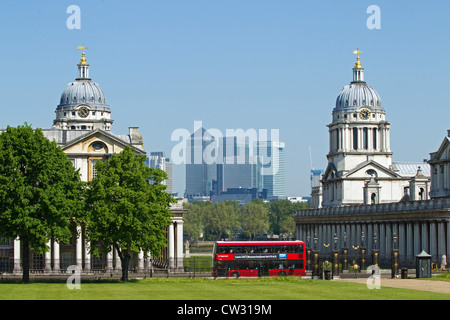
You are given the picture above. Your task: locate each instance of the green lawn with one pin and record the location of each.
(288, 288)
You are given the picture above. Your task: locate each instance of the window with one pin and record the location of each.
(365, 138)
(422, 194)
(94, 171)
(337, 139)
(66, 260)
(355, 139)
(373, 198)
(374, 138)
(97, 146)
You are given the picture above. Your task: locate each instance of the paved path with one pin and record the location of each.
(424, 285)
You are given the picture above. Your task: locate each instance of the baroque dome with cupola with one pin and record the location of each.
(83, 104)
(358, 93)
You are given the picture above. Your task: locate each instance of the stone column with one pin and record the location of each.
(17, 258)
(109, 261)
(56, 257)
(79, 251)
(117, 261)
(48, 259)
(441, 241)
(417, 239)
(448, 239)
(87, 256)
(402, 240)
(179, 244)
(409, 241)
(171, 247)
(425, 237)
(433, 243)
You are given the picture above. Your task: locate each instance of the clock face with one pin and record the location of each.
(83, 112)
(364, 114)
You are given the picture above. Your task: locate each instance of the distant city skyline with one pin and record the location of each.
(215, 163)
(233, 64)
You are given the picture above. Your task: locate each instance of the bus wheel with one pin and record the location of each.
(234, 275)
(282, 274)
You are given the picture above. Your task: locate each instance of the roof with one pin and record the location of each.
(356, 95)
(66, 138)
(83, 91)
(410, 168)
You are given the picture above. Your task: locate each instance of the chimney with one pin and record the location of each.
(135, 137)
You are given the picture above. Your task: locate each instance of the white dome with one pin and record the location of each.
(83, 91)
(358, 94)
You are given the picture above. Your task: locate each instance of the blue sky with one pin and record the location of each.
(261, 64)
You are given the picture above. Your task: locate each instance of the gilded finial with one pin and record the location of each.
(83, 57)
(358, 63)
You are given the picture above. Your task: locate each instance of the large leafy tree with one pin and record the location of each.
(255, 219)
(222, 219)
(127, 207)
(40, 191)
(195, 219)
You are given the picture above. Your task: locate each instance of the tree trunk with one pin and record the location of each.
(125, 262)
(25, 259)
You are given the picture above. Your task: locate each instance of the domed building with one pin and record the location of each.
(83, 104)
(360, 168)
(371, 209)
(82, 128)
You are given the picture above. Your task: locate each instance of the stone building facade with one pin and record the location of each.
(366, 200)
(82, 128)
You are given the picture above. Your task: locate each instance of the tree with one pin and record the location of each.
(255, 219)
(128, 208)
(221, 219)
(40, 191)
(194, 219)
(281, 213)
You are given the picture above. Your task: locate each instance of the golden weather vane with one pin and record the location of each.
(82, 47)
(83, 58)
(358, 63)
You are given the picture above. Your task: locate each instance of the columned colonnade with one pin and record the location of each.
(411, 227)
(60, 256)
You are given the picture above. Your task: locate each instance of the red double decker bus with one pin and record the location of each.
(259, 258)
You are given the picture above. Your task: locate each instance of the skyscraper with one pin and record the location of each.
(158, 160)
(271, 167)
(214, 165)
(201, 172)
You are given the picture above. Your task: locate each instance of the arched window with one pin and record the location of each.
(373, 198)
(421, 194)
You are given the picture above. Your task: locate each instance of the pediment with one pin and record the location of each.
(443, 152)
(369, 168)
(91, 143)
(330, 172)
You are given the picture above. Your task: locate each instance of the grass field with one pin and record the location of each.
(288, 288)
